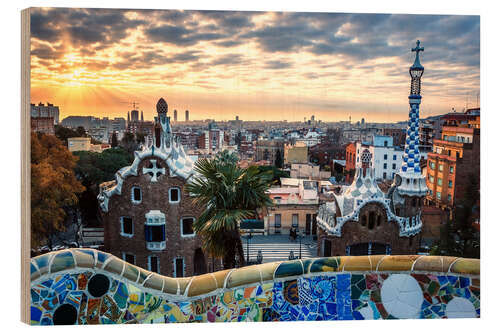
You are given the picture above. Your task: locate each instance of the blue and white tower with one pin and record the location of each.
(409, 180)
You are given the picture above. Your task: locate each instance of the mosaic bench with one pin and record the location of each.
(85, 286)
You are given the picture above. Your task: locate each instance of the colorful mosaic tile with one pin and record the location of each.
(316, 289)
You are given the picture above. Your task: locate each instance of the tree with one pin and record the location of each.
(93, 169)
(81, 131)
(140, 137)
(114, 140)
(275, 172)
(230, 194)
(266, 154)
(53, 186)
(227, 157)
(63, 133)
(458, 237)
(128, 142)
(279, 160)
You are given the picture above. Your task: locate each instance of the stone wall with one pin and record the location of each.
(83, 286)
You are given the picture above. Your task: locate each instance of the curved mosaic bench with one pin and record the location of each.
(85, 286)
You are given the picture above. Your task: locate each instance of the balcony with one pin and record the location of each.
(156, 246)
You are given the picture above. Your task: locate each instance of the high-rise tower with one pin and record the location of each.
(409, 181)
(187, 115)
(175, 115)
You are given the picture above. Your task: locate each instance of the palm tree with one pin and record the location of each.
(229, 195)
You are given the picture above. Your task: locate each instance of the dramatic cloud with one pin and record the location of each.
(295, 64)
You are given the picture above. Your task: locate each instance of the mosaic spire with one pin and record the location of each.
(411, 156)
(409, 180)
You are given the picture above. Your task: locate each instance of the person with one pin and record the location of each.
(294, 234)
(291, 234)
(291, 256)
(260, 257)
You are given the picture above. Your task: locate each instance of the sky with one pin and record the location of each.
(257, 65)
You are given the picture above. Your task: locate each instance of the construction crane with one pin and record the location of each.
(133, 103)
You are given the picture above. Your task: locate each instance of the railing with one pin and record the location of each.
(83, 286)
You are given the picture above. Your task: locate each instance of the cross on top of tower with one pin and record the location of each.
(417, 49)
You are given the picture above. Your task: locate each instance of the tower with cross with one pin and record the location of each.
(409, 183)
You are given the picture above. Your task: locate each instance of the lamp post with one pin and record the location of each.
(300, 244)
(249, 236)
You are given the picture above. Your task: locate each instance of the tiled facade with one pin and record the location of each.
(83, 286)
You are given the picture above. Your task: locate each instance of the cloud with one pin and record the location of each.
(179, 36)
(228, 59)
(357, 54)
(82, 26)
(277, 64)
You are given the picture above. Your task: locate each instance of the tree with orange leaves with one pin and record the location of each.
(53, 186)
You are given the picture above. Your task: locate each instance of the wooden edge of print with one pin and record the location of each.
(25, 166)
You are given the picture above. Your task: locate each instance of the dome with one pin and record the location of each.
(161, 106)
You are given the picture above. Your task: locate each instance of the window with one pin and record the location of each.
(154, 264)
(452, 169)
(393, 157)
(154, 230)
(174, 195)
(450, 184)
(277, 221)
(155, 233)
(385, 175)
(277, 200)
(430, 192)
(136, 194)
(432, 165)
(440, 181)
(393, 166)
(440, 167)
(295, 220)
(179, 267)
(187, 226)
(449, 197)
(385, 165)
(130, 258)
(431, 179)
(127, 227)
(385, 143)
(385, 156)
(438, 195)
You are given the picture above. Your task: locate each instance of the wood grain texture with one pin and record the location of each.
(25, 165)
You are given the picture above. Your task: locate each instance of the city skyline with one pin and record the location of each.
(257, 65)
